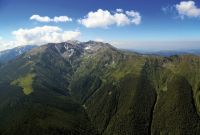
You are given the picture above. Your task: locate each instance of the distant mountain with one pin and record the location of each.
(92, 88)
(168, 53)
(10, 54)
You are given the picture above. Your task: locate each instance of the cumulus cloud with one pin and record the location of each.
(136, 18)
(104, 18)
(4, 44)
(48, 19)
(119, 10)
(45, 34)
(187, 8)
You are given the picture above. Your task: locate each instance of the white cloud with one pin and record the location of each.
(40, 19)
(119, 10)
(103, 18)
(188, 8)
(136, 18)
(62, 19)
(48, 19)
(45, 34)
(38, 36)
(4, 45)
(121, 19)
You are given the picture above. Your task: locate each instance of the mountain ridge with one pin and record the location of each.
(11, 54)
(109, 90)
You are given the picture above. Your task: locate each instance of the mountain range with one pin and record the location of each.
(11, 54)
(168, 53)
(93, 88)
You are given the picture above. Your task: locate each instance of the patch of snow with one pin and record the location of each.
(20, 52)
(71, 52)
(88, 47)
(66, 46)
(57, 48)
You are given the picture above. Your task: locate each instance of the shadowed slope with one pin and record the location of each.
(175, 112)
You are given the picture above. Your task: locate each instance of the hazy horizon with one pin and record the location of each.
(145, 46)
(153, 46)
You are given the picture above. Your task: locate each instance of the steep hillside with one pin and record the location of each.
(94, 88)
(122, 93)
(35, 98)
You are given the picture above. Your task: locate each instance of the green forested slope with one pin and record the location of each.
(48, 109)
(134, 91)
(94, 88)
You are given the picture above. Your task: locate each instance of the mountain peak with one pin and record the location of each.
(73, 42)
(72, 48)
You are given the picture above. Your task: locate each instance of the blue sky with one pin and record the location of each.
(161, 21)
